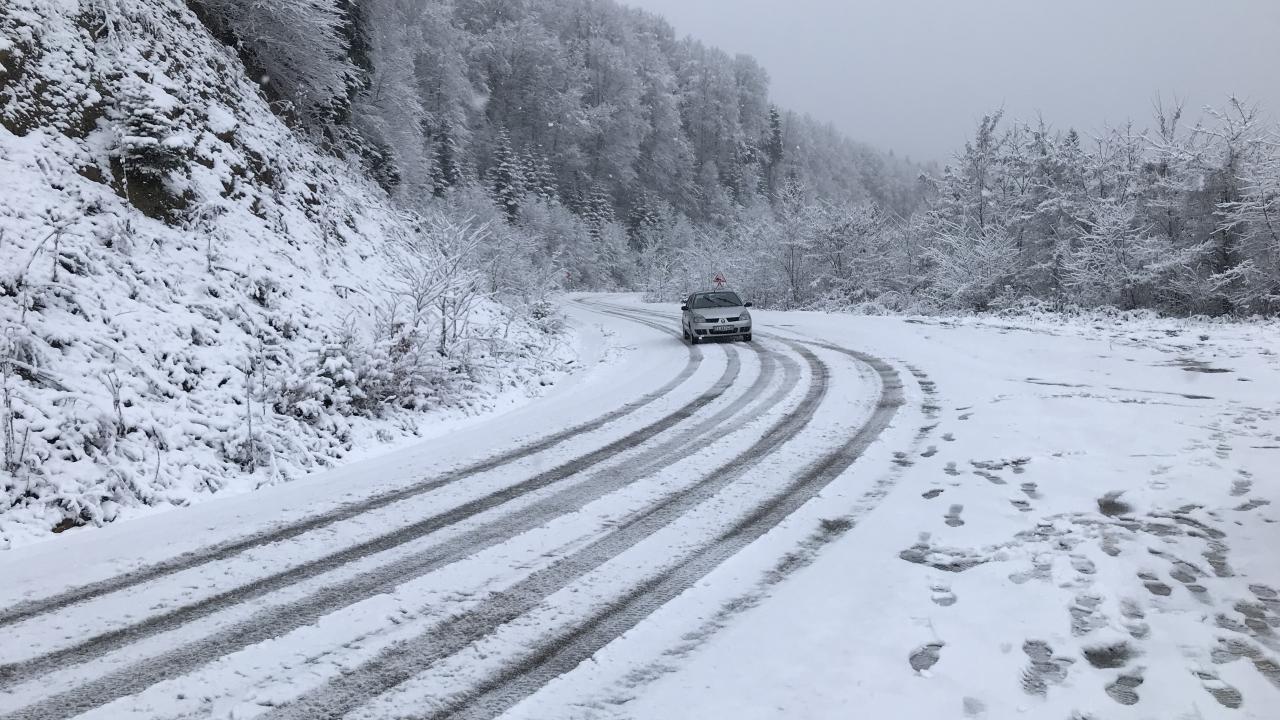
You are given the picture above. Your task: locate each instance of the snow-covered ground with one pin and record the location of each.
(850, 516)
(1083, 525)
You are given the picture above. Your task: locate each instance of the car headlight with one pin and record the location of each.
(746, 316)
(698, 318)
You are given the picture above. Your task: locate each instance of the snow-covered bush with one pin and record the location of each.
(152, 142)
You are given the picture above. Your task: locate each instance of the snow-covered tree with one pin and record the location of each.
(300, 47)
(1115, 262)
(387, 110)
(151, 143)
(970, 269)
(506, 177)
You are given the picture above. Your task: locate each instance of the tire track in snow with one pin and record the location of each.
(571, 647)
(99, 645)
(405, 659)
(274, 622)
(568, 649)
(788, 564)
(33, 608)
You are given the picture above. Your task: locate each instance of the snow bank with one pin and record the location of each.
(171, 257)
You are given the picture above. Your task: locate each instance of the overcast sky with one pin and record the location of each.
(915, 75)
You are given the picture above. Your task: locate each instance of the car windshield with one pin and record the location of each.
(716, 300)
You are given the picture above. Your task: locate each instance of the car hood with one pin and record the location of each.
(717, 313)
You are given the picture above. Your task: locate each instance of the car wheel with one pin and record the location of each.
(693, 339)
(746, 338)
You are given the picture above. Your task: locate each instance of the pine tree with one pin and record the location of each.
(540, 181)
(151, 145)
(773, 151)
(506, 178)
(598, 211)
(447, 170)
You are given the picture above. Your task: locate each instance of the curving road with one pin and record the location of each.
(452, 591)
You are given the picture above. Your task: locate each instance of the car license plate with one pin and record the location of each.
(723, 329)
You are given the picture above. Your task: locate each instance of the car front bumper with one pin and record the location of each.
(724, 329)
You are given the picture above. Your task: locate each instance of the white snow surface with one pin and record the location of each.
(1178, 418)
(1063, 520)
(279, 249)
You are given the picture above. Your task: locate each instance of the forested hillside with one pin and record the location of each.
(591, 126)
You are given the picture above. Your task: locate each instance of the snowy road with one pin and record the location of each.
(546, 552)
(731, 530)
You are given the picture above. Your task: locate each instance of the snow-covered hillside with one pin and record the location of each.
(187, 287)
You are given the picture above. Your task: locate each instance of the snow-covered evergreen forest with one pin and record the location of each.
(244, 238)
(593, 129)
(625, 157)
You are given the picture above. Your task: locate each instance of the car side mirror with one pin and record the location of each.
(748, 304)
(684, 307)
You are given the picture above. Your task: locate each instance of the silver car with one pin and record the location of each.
(715, 314)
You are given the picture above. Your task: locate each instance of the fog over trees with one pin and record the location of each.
(607, 153)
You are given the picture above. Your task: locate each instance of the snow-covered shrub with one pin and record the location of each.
(152, 142)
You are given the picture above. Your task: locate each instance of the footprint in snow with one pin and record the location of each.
(1085, 615)
(1267, 595)
(951, 469)
(1040, 570)
(1083, 565)
(973, 707)
(949, 437)
(1124, 689)
(1256, 617)
(933, 450)
(1031, 490)
(1110, 656)
(926, 656)
(1232, 649)
(942, 595)
(1184, 572)
(1109, 544)
(1154, 586)
(953, 516)
(1133, 613)
(990, 476)
(1216, 556)
(1225, 694)
(1045, 668)
(1241, 487)
(1112, 506)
